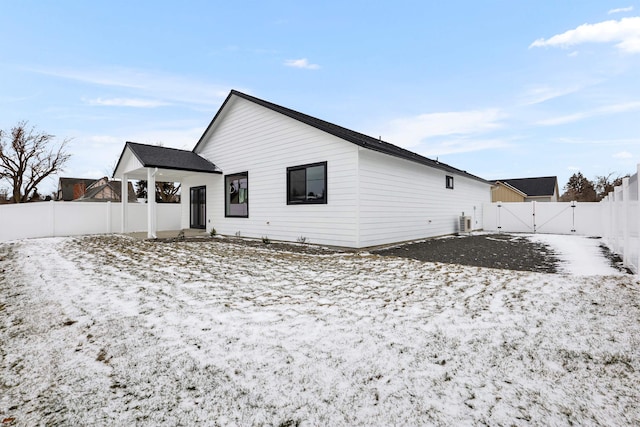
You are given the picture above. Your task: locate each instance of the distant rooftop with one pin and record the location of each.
(540, 186)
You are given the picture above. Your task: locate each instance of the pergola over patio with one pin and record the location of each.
(154, 163)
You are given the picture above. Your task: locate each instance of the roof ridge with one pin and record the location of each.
(355, 137)
(157, 146)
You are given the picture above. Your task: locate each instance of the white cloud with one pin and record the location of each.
(127, 102)
(607, 141)
(541, 93)
(606, 110)
(172, 88)
(626, 32)
(569, 118)
(411, 131)
(623, 155)
(620, 10)
(301, 63)
(182, 138)
(462, 145)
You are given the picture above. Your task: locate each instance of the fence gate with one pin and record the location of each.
(543, 217)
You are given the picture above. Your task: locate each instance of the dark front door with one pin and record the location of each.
(198, 207)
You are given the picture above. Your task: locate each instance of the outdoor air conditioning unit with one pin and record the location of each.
(465, 224)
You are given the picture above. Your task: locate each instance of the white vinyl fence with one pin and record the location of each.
(621, 213)
(616, 219)
(50, 219)
(544, 217)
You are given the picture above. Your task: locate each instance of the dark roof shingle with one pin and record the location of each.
(540, 186)
(346, 134)
(170, 158)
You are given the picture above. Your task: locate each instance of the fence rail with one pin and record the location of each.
(52, 219)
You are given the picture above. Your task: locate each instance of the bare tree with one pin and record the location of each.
(26, 159)
(605, 184)
(166, 192)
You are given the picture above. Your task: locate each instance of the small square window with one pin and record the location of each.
(449, 181)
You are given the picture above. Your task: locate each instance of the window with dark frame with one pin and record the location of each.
(237, 195)
(449, 181)
(307, 184)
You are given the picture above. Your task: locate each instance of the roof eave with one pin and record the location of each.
(512, 188)
(309, 121)
(182, 169)
(206, 131)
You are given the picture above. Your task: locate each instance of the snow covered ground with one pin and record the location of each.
(113, 331)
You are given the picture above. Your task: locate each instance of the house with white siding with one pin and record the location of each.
(263, 170)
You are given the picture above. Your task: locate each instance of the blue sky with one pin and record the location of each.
(502, 89)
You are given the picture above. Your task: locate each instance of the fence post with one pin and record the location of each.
(533, 208)
(612, 220)
(53, 218)
(109, 217)
(638, 219)
(605, 217)
(625, 221)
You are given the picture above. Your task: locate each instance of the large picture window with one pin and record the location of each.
(307, 184)
(237, 195)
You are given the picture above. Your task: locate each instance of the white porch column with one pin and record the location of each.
(124, 201)
(151, 203)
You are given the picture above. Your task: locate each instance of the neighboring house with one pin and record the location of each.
(261, 169)
(541, 189)
(72, 188)
(91, 190)
(104, 190)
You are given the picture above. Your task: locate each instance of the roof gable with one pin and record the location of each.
(346, 134)
(511, 188)
(154, 156)
(533, 187)
(105, 190)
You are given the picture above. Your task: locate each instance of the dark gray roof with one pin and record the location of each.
(346, 134)
(540, 186)
(155, 156)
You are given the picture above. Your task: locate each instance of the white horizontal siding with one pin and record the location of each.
(401, 200)
(250, 138)
(128, 163)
